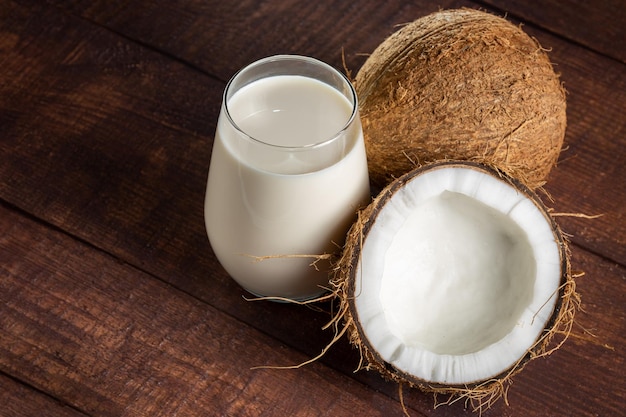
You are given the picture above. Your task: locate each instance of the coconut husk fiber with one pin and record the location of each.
(461, 84)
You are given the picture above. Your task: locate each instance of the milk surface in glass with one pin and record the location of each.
(281, 203)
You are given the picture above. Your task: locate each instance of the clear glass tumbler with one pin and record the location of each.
(288, 172)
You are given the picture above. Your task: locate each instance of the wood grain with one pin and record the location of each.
(111, 300)
(220, 38)
(18, 399)
(111, 340)
(599, 27)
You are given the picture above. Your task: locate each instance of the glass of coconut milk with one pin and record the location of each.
(288, 173)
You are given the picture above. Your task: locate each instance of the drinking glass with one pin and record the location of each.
(288, 173)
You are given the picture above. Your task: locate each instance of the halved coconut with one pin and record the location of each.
(453, 278)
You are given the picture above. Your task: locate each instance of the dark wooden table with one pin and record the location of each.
(111, 300)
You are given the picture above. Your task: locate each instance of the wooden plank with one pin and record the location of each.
(107, 339)
(17, 399)
(597, 25)
(591, 173)
(107, 127)
(222, 37)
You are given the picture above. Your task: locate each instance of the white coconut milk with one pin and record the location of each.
(279, 204)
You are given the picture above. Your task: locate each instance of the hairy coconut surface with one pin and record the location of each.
(461, 84)
(555, 316)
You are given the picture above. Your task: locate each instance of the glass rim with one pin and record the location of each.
(302, 58)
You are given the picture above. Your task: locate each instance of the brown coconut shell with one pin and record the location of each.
(461, 84)
(481, 394)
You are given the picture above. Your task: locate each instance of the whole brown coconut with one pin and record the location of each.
(461, 84)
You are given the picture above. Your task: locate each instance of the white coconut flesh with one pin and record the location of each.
(458, 277)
